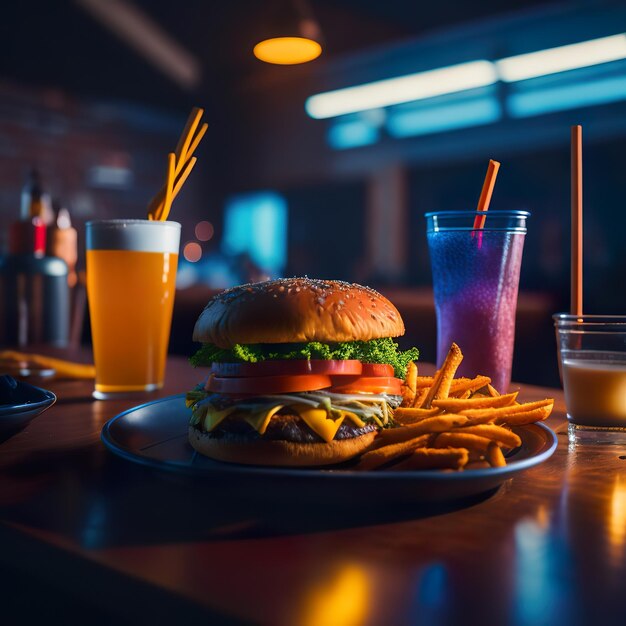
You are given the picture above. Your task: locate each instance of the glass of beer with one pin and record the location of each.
(131, 279)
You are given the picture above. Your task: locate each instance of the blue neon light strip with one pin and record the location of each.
(353, 134)
(563, 98)
(424, 121)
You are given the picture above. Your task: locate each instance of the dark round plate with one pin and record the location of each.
(155, 435)
(20, 403)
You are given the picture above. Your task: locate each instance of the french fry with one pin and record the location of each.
(456, 405)
(423, 382)
(410, 385)
(462, 440)
(443, 379)
(476, 455)
(381, 456)
(420, 396)
(527, 417)
(461, 385)
(407, 415)
(494, 455)
(404, 392)
(493, 392)
(478, 464)
(411, 375)
(433, 458)
(498, 434)
(437, 424)
(504, 414)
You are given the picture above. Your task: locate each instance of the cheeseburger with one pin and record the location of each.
(302, 372)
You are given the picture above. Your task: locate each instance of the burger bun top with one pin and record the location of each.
(297, 310)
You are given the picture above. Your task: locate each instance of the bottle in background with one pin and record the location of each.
(34, 292)
(63, 242)
(35, 202)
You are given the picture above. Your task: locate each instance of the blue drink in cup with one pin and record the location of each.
(475, 281)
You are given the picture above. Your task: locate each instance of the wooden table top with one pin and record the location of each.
(548, 547)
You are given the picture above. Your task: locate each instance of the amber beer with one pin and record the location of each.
(131, 277)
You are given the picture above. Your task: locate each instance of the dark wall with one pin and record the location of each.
(326, 230)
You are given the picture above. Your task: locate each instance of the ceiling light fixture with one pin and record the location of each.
(292, 35)
(142, 33)
(390, 91)
(563, 58)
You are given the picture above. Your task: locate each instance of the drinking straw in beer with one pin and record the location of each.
(179, 166)
(485, 194)
(576, 305)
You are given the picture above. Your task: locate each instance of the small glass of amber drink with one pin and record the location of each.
(592, 361)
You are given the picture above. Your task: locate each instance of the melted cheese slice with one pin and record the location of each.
(316, 419)
(259, 420)
(214, 417)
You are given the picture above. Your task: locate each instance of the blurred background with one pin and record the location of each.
(300, 175)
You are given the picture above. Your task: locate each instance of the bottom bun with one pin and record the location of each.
(279, 452)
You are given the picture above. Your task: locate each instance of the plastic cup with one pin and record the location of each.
(592, 362)
(131, 278)
(475, 281)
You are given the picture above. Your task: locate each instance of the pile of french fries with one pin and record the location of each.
(451, 423)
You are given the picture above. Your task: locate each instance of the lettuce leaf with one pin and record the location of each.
(384, 350)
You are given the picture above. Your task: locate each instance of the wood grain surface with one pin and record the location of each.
(549, 547)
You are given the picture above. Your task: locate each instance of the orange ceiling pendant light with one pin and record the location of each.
(292, 35)
(287, 50)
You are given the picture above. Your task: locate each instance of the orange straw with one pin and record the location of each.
(576, 306)
(169, 187)
(191, 149)
(177, 187)
(182, 147)
(485, 194)
(159, 207)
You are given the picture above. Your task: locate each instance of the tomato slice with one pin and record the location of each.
(377, 369)
(289, 367)
(264, 385)
(368, 384)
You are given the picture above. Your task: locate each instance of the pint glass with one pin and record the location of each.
(131, 278)
(475, 280)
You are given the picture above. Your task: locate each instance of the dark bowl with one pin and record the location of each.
(20, 403)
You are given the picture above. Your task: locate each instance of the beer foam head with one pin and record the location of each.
(137, 235)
